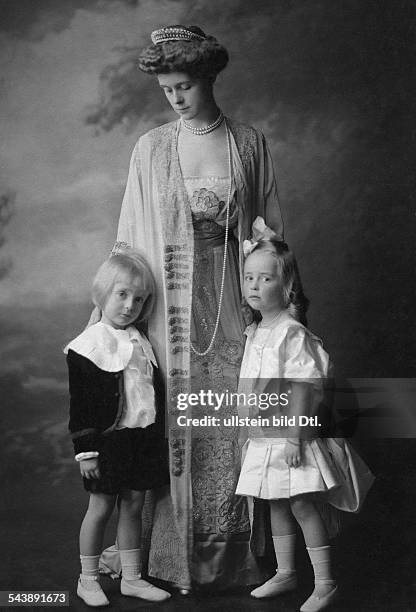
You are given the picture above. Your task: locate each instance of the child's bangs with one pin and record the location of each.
(131, 275)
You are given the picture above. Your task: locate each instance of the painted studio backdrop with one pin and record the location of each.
(330, 82)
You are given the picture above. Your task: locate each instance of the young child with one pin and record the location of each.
(114, 421)
(295, 474)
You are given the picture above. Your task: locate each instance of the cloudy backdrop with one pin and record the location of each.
(330, 82)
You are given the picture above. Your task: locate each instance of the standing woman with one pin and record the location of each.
(194, 188)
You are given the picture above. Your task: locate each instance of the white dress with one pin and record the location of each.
(288, 351)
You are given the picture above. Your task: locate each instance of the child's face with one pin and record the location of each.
(262, 286)
(125, 301)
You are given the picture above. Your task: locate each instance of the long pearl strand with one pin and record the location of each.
(205, 130)
(224, 261)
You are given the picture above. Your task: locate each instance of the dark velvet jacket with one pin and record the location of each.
(96, 402)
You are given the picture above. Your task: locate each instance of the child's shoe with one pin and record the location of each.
(142, 589)
(321, 598)
(90, 591)
(276, 585)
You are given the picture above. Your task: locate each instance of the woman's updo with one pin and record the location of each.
(183, 49)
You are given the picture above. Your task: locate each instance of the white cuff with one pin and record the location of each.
(87, 455)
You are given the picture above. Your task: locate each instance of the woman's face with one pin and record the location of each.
(190, 97)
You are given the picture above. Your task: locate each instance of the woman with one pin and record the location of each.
(194, 188)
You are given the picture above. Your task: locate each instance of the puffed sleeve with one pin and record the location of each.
(272, 212)
(306, 358)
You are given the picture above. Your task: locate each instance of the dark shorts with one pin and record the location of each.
(135, 459)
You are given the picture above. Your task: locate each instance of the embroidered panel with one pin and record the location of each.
(215, 452)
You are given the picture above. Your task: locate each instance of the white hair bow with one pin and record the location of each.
(260, 232)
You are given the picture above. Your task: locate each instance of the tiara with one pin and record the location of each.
(165, 34)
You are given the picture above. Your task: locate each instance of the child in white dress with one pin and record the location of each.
(115, 422)
(292, 467)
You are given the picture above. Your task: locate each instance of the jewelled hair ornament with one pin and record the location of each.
(260, 232)
(119, 248)
(171, 33)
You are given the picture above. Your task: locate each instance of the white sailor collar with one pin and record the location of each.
(108, 348)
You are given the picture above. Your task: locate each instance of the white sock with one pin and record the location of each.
(284, 547)
(130, 564)
(89, 571)
(321, 562)
(89, 565)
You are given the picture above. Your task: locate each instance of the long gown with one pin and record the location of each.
(219, 516)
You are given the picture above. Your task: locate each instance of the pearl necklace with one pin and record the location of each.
(205, 130)
(224, 261)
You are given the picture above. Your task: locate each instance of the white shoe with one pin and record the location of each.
(317, 602)
(93, 595)
(279, 583)
(142, 589)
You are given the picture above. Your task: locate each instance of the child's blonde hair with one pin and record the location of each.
(131, 262)
(287, 268)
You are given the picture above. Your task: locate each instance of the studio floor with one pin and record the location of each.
(374, 555)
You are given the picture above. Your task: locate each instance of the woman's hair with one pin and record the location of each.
(200, 57)
(125, 261)
(287, 268)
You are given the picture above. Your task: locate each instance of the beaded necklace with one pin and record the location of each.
(270, 323)
(205, 130)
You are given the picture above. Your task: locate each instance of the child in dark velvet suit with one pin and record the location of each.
(115, 421)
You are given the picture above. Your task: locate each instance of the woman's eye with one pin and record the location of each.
(139, 299)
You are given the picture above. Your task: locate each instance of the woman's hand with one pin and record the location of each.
(293, 452)
(242, 437)
(89, 468)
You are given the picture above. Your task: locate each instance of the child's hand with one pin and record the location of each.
(293, 449)
(89, 468)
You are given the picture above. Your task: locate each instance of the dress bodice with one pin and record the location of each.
(285, 350)
(208, 201)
